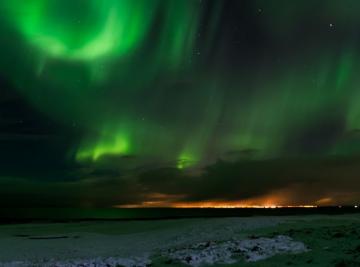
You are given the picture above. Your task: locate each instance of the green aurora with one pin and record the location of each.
(184, 83)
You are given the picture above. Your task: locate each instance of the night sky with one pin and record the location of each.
(179, 103)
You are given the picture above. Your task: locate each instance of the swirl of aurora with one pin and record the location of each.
(91, 29)
(103, 28)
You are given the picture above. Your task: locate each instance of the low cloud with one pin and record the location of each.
(285, 182)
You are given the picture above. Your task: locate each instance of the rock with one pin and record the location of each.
(338, 235)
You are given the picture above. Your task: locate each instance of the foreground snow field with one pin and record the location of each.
(254, 241)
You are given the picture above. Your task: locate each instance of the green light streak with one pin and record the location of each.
(106, 145)
(186, 161)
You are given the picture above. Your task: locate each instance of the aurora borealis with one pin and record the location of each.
(126, 102)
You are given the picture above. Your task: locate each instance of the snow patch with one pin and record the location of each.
(224, 253)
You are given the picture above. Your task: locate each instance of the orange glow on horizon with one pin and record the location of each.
(278, 199)
(229, 206)
(284, 198)
(209, 204)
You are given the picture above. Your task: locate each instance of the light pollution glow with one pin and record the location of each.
(272, 200)
(205, 205)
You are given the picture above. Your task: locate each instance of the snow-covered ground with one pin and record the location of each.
(185, 242)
